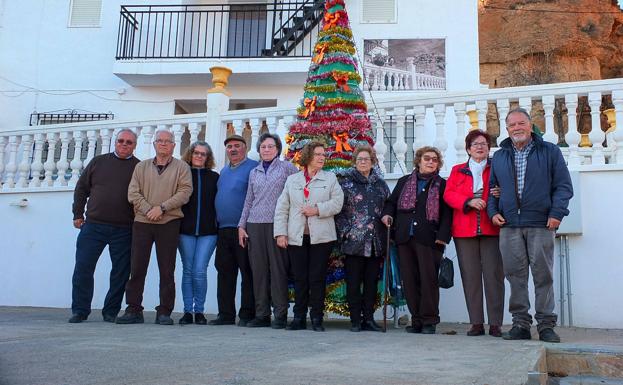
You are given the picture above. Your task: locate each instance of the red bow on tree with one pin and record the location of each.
(342, 81)
(330, 19)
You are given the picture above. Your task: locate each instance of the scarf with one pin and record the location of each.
(408, 196)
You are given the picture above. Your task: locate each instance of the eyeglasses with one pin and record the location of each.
(201, 154)
(361, 160)
(125, 141)
(433, 159)
(479, 144)
(163, 141)
(267, 146)
(320, 154)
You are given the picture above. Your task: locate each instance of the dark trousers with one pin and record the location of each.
(166, 237)
(230, 258)
(269, 265)
(309, 267)
(361, 270)
(419, 270)
(480, 263)
(91, 241)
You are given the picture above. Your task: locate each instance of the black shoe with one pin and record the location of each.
(222, 321)
(371, 326)
(317, 325)
(259, 323)
(279, 323)
(186, 319)
(243, 322)
(414, 328)
(130, 318)
(163, 319)
(355, 327)
(549, 335)
(77, 318)
(517, 333)
(429, 329)
(200, 319)
(109, 318)
(298, 324)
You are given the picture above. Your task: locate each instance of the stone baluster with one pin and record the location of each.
(549, 104)
(481, 108)
(238, 126)
(420, 121)
(596, 135)
(617, 100)
(105, 135)
(36, 169)
(283, 127)
(178, 130)
(440, 135)
(193, 129)
(63, 164)
(526, 104)
(91, 143)
(24, 164)
(11, 167)
(503, 108)
(459, 141)
(372, 80)
(3, 142)
(50, 165)
(76, 162)
(271, 123)
(573, 137)
(255, 133)
(400, 146)
(147, 134)
(380, 146)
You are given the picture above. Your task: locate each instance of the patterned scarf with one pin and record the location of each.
(408, 196)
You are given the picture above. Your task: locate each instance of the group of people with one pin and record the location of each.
(272, 222)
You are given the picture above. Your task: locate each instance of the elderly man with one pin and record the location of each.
(159, 188)
(230, 256)
(535, 189)
(104, 182)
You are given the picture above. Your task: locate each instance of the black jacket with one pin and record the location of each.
(426, 232)
(200, 212)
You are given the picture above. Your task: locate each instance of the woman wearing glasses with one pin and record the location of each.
(269, 263)
(475, 237)
(361, 235)
(422, 223)
(198, 231)
(304, 225)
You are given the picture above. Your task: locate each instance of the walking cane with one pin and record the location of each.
(386, 278)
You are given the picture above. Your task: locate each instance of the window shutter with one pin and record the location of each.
(378, 11)
(85, 13)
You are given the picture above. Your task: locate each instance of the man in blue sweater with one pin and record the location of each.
(535, 189)
(230, 257)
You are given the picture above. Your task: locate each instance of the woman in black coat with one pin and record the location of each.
(361, 234)
(422, 227)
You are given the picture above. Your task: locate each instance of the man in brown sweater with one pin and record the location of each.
(158, 189)
(103, 188)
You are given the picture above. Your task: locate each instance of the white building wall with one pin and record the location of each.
(48, 66)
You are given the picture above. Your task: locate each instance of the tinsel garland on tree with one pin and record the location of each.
(333, 111)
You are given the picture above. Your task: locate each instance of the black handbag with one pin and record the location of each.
(446, 273)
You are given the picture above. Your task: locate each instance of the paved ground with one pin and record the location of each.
(38, 346)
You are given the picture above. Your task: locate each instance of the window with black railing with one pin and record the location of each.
(277, 29)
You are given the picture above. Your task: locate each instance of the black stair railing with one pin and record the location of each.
(218, 30)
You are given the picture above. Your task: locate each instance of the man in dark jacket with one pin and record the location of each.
(104, 182)
(535, 189)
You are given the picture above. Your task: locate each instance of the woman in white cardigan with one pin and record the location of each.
(304, 225)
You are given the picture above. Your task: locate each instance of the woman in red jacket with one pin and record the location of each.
(475, 237)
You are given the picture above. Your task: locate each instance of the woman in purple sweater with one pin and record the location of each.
(269, 263)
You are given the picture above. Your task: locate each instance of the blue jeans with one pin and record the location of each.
(196, 253)
(91, 241)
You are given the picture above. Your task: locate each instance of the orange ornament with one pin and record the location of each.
(342, 81)
(341, 142)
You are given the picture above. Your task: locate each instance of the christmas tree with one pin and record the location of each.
(333, 111)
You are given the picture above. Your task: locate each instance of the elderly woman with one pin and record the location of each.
(304, 225)
(269, 263)
(361, 235)
(198, 231)
(475, 237)
(422, 223)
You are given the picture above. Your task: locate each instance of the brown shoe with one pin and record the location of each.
(495, 331)
(476, 330)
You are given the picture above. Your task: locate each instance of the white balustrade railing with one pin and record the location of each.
(52, 157)
(389, 78)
